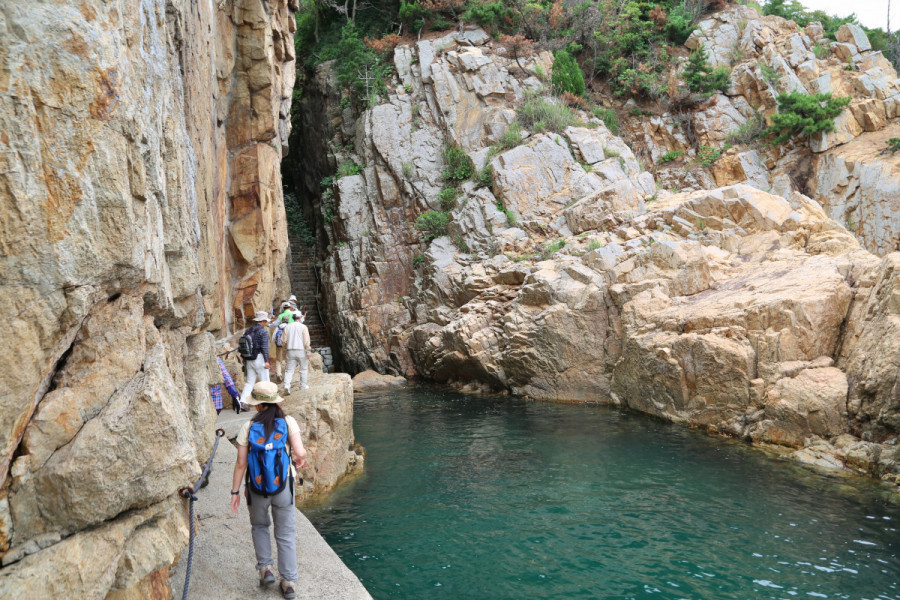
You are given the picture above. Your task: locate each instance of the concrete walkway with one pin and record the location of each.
(224, 566)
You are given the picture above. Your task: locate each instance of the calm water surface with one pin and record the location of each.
(484, 498)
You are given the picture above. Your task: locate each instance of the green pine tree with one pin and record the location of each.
(804, 114)
(567, 75)
(701, 77)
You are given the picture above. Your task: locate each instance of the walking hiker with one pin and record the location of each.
(269, 448)
(296, 340)
(228, 381)
(282, 321)
(254, 349)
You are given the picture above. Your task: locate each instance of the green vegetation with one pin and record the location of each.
(492, 15)
(627, 43)
(610, 153)
(511, 218)
(752, 129)
(511, 138)
(769, 75)
(701, 77)
(485, 176)
(821, 51)
(297, 224)
(348, 168)
(804, 114)
(670, 156)
(708, 155)
(594, 244)
(418, 259)
(551, 248)
(433, 224)
(447, 199)
(794, 10)
(360, 69)
(542, 113)
(461, 244)
(408, 169)
(893, 145)
(567, 75)
(457, 165)
(609, 118)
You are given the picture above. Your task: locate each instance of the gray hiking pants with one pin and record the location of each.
(284, 515)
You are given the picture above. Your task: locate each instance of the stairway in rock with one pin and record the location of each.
(304, 286)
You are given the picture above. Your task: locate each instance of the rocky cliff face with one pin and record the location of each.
(730, 308)
(846, 171)
(140, 209)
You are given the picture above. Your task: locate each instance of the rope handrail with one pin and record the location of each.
(190, 493)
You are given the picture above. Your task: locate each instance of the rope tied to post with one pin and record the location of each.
(190, 493)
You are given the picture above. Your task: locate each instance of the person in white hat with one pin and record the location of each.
(269, 447)
(257, 362)
(299, 351)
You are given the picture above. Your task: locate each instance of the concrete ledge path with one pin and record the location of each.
(224, 566)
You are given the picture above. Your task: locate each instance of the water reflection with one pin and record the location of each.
(468, 497)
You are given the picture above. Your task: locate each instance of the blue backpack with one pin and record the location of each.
(268, 463)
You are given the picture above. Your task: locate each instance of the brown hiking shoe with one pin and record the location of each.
(266, 576)
(287, 589)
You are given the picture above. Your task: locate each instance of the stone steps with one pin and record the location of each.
(305, 285)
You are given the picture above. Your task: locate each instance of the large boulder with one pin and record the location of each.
(372, 381)
(325, 415)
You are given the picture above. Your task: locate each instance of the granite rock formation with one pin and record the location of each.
(576, 276)
(846, 171)
(325, 415)
(140, 212)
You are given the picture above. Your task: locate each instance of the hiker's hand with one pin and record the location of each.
(235, 503)
(300, 460)
(267, 364)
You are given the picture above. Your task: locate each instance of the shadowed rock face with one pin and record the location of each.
(734, 309)
(140, 209)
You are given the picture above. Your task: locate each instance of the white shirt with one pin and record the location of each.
(296, 337)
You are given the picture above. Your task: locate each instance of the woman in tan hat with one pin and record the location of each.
(268, 440)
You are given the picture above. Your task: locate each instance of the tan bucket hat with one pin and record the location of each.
(261, 315)
(264, 392)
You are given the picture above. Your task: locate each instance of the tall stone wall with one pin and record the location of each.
(140, 212)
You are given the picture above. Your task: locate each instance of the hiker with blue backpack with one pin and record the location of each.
(253, 348)
(269, 448)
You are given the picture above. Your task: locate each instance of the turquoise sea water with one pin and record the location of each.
(468, 497)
